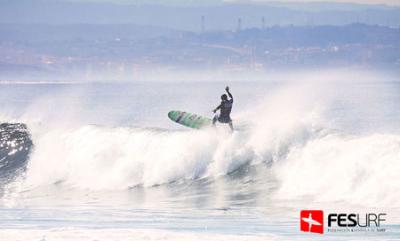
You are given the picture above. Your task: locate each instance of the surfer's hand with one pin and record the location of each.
(227, 88)
(214, 110)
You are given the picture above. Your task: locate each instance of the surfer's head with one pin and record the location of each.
(224, 97)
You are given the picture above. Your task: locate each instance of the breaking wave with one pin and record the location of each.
(361, 170)
(306, 157)
(15, 146)
(305, 160)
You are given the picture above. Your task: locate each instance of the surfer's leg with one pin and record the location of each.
(214, 120)
(231, 126)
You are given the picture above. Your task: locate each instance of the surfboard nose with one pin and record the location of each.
(173, 114)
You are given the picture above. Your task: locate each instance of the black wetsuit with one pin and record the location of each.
(225, 111)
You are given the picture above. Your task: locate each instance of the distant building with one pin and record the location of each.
(239, 25)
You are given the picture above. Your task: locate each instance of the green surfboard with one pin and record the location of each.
(189, 120)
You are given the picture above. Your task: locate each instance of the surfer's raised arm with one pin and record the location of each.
(229, 93)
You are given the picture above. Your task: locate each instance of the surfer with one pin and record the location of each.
(225, 109)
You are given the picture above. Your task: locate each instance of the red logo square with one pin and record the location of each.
(312, 221)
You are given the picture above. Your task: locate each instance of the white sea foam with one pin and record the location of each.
(286, 129)
(97, 157)
(360, 170)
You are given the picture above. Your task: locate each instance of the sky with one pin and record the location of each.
(188, 2)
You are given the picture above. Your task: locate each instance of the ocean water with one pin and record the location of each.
(102, 161)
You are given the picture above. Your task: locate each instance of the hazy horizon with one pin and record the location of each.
(101, 40)
(187, 15)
